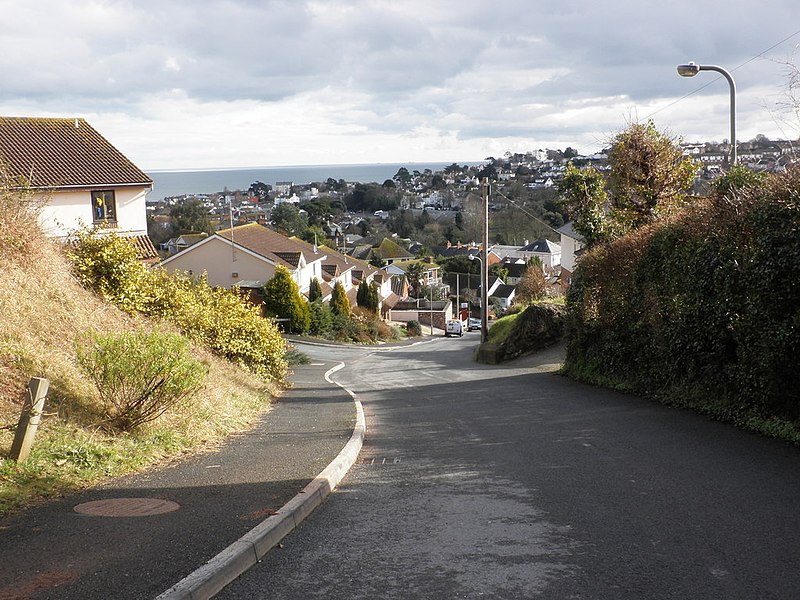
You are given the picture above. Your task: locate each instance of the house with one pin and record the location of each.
(504, 293)
(549, 253)
(176, 244)
(571, 244)
(246, 256)
(248, 252)
(81, 179)
(390, 251)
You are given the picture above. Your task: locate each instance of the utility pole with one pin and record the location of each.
(485, 263)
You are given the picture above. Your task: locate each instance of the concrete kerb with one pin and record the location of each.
(237, 558)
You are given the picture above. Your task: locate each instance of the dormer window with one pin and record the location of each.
(104, 207)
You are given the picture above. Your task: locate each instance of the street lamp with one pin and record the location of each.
(484, 300)
(691, 69)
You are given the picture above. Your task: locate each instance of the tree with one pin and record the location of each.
(531, 285)
(500, 271)
(260, 189)
(649, 176)
(374, 298)
(414, 273)
(367, 296)
(403, 177)
(282, 300)
(314, 290)
(287, 217)
(190, 216)
(583, 195)
(362, 296)
(649, 179)
(340, 305)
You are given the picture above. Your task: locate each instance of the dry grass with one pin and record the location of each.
(42, 312)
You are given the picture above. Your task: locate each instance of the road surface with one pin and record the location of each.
(512, 481)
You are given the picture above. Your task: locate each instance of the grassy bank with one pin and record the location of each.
(43, 310)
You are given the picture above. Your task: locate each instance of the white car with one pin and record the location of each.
(473, 324)
(453, 328)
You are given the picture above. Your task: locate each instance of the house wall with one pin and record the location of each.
(215, 258)
(569, 246)
(65, 212)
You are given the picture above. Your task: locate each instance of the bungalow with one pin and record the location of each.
(80, 179)
(248, 252)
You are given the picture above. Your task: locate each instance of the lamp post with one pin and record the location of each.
(484, 301)
(691, 69)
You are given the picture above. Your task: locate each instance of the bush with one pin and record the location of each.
(108, 265)
(221, 319)
(339, 304)
(282, 299)
(321, 319)
(413, 329)
(139, 375)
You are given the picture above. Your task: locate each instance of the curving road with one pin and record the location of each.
(513, 482)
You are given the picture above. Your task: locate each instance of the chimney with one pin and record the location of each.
(77, 123)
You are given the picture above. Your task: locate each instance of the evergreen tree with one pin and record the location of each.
(314, 290)
(340, 305)
(282, 300)
(362, 296)
(374, 300)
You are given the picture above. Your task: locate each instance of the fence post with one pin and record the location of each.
(29, 419)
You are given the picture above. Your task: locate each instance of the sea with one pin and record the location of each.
(167, 184)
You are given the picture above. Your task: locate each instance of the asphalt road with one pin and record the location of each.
(514, 482)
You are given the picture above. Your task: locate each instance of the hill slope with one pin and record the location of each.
(43, 310)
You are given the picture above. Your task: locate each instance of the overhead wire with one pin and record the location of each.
(714, 80)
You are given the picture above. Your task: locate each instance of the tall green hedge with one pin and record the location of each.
(701, 310)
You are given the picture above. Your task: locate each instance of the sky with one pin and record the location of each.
(203, 84)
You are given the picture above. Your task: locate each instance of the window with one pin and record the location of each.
(104, 207)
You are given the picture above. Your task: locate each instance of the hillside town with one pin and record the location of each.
(414, 225)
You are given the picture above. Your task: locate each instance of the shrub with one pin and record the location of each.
(413, 329)
(108, 265)
(282, 299)
(340, 305)
(221, 319)
(139, 375)
(321, 319)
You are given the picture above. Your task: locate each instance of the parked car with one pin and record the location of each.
(453, 328)
(473, 324)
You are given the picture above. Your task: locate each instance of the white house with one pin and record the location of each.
(81, 179)
(571, 244)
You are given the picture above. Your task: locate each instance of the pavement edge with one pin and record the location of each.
(245, 552)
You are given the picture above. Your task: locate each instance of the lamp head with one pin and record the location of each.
(688, 70)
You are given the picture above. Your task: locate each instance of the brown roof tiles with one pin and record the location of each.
(63, 153)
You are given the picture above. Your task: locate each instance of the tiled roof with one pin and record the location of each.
(391, 249)
(63, 153)
(269, 244)
(542, 246)
(293, 258)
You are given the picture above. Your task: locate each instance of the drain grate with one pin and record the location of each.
(127, 507)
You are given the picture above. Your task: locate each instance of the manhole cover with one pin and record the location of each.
(127, 507)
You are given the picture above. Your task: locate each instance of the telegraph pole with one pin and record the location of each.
(485, 262)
